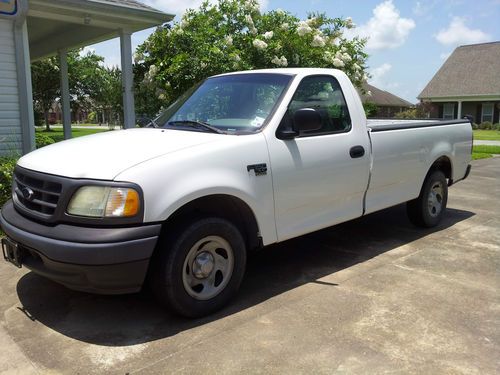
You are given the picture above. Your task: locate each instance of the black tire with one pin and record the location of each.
(171, 270)
(421, 211)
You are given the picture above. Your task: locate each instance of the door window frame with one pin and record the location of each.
(286, 117)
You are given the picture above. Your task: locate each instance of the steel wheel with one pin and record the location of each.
(428, 209)
(435, 199)
(208, 268)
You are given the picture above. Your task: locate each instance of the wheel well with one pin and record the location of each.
(442, 164)
(227, 207)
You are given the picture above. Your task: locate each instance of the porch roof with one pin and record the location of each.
(60, 24)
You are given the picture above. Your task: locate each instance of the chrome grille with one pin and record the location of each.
(35, 193)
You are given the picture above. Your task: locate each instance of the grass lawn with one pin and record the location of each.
(58, 134)
(483, 152)
(487, 135)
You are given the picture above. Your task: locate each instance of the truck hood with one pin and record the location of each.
(103, 156)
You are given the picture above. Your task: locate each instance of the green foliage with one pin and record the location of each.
(84, 75)
(7, 165)
(91, 85)
(42, 140)
(233, 35)
(39, 120)
(421, 111)
(45, 78)
(370, 109)
(92, 117)
(108, 94)
(408, 114)
(485, 126)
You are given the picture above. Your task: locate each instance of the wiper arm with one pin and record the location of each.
(198, 124)
(155, 124)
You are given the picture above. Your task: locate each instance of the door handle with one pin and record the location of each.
(357, 152)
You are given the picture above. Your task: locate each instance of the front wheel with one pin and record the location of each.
(428, 209)
(200, 268)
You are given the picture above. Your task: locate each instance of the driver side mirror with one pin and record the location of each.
(307, 120)
(304, 120)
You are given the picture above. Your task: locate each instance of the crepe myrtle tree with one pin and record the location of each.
(234, 35)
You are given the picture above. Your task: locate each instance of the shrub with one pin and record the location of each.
(496, 126)
(420, 111)
(408, 114)
(92, 117)
(475, 126)
(7, 165)
(39, 119)
(486, 125)
(370, 109)
(42, 140)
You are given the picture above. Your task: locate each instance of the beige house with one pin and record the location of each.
(387, 104)
(34, 29)
(468, 84)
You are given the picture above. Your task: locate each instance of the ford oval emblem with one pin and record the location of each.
(28, 194)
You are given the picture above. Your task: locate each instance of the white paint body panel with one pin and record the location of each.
(312, 182)
(316, 182)
(402, 158)
(104, 155)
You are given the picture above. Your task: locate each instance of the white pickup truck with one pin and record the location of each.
(241, 161)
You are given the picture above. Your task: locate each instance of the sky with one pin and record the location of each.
(408, 41)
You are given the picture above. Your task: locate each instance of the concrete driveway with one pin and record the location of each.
(375, 295)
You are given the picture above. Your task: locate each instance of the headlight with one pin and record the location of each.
(103, 201)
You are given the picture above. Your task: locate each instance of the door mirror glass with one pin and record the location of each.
(307, 120)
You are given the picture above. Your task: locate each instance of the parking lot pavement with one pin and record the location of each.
(374, 295)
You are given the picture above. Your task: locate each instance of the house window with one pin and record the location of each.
(448, 111)
(487, 113)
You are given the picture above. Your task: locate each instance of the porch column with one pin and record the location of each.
(25, 84)
(127, 79)
(66, 108)
(459, 111)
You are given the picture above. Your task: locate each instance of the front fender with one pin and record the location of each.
(172, 181)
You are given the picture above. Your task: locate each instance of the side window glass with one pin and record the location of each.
(324, 95)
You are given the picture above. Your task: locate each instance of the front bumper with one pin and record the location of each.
(97, 260)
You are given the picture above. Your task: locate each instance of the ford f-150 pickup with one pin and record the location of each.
(241, 161)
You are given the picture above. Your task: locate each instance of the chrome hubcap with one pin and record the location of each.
(435, 199)
(203, 265)
(208, 267)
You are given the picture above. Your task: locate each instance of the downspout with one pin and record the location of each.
(24, 83)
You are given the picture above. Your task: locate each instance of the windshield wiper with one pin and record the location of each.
(155, 124)
(198, 124)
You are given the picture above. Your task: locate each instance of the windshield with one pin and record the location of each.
(239, 103)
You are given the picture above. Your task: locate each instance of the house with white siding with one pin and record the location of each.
(34, 29)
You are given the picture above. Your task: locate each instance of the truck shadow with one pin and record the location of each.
(134, 319)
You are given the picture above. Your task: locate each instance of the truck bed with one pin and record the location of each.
(404, 150)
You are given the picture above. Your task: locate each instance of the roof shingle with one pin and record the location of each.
(382, 98)
(469, 71)
(129, 4)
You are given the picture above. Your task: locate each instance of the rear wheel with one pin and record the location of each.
(200, 268)
(428, 209)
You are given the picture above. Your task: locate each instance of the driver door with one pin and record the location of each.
(318, 180)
